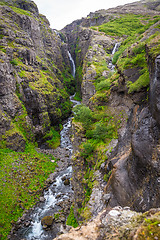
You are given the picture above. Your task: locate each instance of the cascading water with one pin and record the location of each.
(115, 49)
(72, 64)
(55, 194)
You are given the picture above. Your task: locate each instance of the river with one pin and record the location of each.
(57, 198)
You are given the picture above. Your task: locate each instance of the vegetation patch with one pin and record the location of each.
(52, 138)
(128, 24)
(21, 181)
(150, 228)
(20, 11)
(71, 220)
(143, 81)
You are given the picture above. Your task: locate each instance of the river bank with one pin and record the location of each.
(57, 196)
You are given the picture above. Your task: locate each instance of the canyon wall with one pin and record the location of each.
(128, 94)
(115, 132)
(36, 76)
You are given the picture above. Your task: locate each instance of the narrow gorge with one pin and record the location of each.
(90, 171)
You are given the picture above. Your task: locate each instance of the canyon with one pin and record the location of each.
(111, 61)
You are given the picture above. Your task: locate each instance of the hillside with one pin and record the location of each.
(115, 131)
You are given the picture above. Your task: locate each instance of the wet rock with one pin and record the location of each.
(27, 224)
(64, 178)
(47, 221)
(42, 199)
(67, 182)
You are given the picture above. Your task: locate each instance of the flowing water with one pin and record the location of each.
(56, 194)
(72, 64)
(115, 49)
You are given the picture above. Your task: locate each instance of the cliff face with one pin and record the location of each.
(126, 159)
(34, 63)
(116, 129)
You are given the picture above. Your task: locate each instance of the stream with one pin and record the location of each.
(58, 197)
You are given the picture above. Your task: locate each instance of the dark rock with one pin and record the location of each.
(27, 224)
(67, 182)
(64, 178)
(155, 88)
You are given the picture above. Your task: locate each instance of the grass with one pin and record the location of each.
(150, 228)
(22, 178)
(71, 220)
(21, 11)
(126, 25)
(141, 82)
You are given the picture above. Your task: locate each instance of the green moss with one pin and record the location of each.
(56, 216)
(154, 44)
(68, 82)
(150, 228)
(22, 124)
(100, 67)
(21, 11)
(103, 85)
(86, 213)
(5, 139)
(128, 24)
(77, 96)
(1, 36)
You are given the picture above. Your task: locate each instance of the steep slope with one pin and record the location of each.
(116, 132)
(34, 63)
(35, 84)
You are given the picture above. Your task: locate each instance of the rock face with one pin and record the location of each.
(132, 165)
(154, 88)
(32, 90)
(117, 223)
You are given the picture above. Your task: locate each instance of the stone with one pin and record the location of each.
(114, 213)
(67, 182)
(42, 199)
(47, 221)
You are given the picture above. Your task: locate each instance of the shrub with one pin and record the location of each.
(88, 148)
(14, 62)
(100, 131)
(83, 114)
(103, 85)
(71, 220)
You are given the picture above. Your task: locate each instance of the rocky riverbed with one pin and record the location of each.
(48, 217)
(55, 203)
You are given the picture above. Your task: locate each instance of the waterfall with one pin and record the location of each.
(69, 55)
(115, 49)
(73, 64)
(58, 34)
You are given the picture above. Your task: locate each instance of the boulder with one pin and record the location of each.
(47, 221)
(67, 182)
